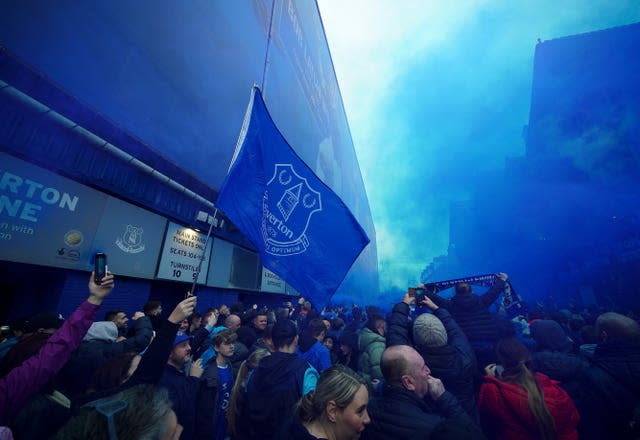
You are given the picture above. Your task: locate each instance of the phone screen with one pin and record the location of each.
(99, 267)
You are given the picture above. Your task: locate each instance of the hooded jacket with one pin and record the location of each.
(272, 390)
(102, 331)
(505, 412)
(93, 352)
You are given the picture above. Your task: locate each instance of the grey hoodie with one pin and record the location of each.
(102, 331)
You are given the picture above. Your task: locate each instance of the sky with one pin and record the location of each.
(437, 94)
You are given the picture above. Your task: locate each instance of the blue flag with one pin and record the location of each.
(305, 234)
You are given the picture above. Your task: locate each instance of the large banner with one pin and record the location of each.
(50, 220)
(45, 218)
(183, 248)
(302, 229)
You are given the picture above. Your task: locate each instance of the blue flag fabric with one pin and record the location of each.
(303, 231)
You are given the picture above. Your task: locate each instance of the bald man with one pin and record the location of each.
(232, 322)
(413, 402)
(240, 351)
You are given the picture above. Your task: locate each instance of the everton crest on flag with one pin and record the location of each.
(296, 203)
(303, 231)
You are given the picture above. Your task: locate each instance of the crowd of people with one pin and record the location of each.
(445, 368)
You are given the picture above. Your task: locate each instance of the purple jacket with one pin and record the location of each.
(26, 380)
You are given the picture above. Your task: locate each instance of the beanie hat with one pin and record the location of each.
(102, 331)
(428, 331)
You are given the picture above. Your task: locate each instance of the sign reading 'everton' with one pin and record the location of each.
(305, 234)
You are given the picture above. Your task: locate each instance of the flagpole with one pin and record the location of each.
(266, 56)
(206, 242)
(244, 128)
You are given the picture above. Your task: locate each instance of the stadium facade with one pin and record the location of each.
(118, 122)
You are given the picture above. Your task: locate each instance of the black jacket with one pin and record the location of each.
(580, 380)
(248, 335)
(294, 430)
(273, 389)
(207, 402)
(471, 312)
(564, 367)
(618, 365)
(454, 364)
(400, 414)
(183, 391)
(75, 377)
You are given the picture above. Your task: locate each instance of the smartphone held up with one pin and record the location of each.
(99, 267)
(418, 293)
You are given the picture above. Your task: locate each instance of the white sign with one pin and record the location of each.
(183, 248)
(271, 282)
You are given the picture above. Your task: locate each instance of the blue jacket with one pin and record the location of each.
(318, 356)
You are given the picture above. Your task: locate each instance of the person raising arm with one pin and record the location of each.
(26, 380)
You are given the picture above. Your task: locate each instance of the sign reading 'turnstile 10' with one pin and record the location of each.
(181, 253)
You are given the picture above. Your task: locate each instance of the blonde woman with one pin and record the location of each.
(336, 410)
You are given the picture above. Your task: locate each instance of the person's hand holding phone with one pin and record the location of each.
(409, 299)
(98, 292)
(429, 303)
(99, 267)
